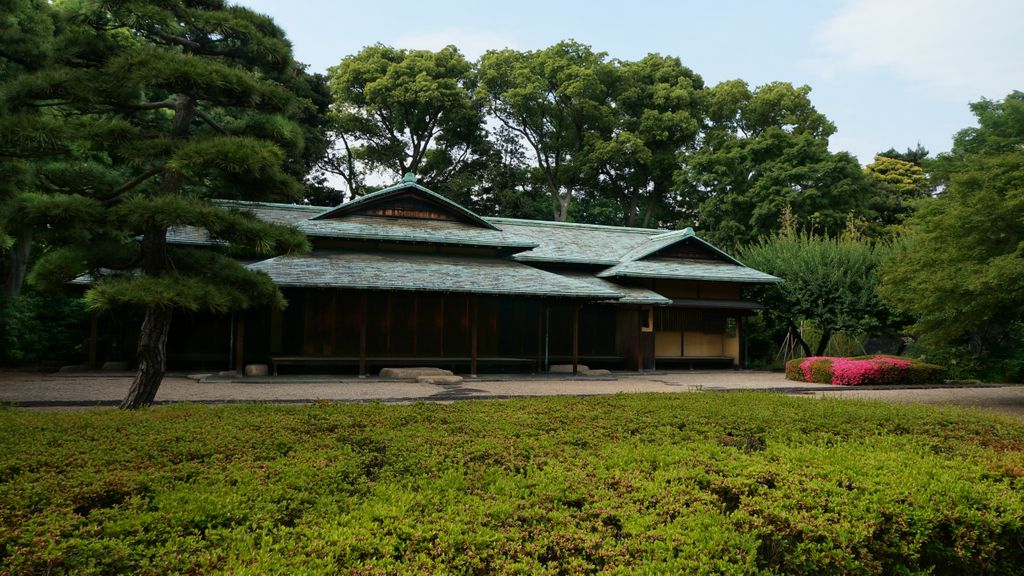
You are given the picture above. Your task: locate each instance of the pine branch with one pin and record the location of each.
(127, 186)
(209, 120)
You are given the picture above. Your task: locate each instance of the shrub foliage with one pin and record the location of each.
(877, 369)
(688, 483)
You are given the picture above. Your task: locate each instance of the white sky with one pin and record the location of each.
(888, 73)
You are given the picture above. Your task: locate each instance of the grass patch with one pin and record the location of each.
(690, 483)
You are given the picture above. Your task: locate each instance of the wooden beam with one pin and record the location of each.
(575, 339)
(240, 343)
(474, 313)
(363, 308)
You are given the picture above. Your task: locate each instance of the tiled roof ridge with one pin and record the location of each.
(257, 203)
(507, 220)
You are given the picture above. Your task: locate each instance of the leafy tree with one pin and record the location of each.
(399, 111)
(657, 114)
(960, 269)
(763, 150)
(186, 102)
(829, 281)
(556, 100)
(918, 156)
(899, 183)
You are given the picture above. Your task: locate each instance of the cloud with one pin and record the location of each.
(963, 48)
(472, 43)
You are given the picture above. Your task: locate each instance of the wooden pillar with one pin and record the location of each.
(94, 336)
(742, 353)
(363, 312)
(415, 324)
(240, 343)
(440, 326)
(474, 317)
(540, 337)
(575, 339)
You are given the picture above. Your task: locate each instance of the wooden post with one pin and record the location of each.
(540, 337)
(440, 326)
(240, 343)
(474, 313)
(575, 339)
(742, 347)
(415, 324)
(94, 336)
(363, 307)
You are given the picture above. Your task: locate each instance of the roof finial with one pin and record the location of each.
(409, 177)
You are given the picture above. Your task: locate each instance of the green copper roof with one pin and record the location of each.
(681, 269)
(413, 230)
(402, 188)
(629, 294)
(574, 243)
(436, 273)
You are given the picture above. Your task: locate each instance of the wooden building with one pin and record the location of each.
(405, 276)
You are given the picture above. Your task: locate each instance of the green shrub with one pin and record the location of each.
(682, 483)
(858, 370)
(37, 327)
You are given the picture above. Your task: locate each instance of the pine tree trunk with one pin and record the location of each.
(152, 358)
(15, 265)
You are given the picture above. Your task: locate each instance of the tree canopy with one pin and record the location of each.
(829, 281)
(763, 150)
(173, 105)
(959, 270)
(397, 111)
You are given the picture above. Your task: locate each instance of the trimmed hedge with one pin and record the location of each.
(858, 370)
(733, 483)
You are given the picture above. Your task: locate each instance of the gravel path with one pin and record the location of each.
(107, 389)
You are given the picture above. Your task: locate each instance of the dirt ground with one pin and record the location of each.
(39, 390)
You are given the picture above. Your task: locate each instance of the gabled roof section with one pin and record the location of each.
(406, 190)
(660, 242)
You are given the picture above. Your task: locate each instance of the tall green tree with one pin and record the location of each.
(829, 281)
(899, 183)
(960, 270)
(397, 111)
(27, 133)
(657, 114)
(557, 100)
(762, 150)
(185, 102)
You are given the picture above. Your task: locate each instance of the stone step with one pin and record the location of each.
(413, 372)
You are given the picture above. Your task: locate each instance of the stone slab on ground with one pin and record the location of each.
(595, 372)
(257, 370)
(413, 372)
(567, 368)
(439, 379)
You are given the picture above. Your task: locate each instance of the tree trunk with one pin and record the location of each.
(562, 213)
(15, 265)
(152, 358)
(799, 338)
(152, 350)
(826, 335)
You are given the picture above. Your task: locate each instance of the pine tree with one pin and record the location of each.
(182, 102)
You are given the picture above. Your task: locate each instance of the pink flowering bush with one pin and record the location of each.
(863, 370)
